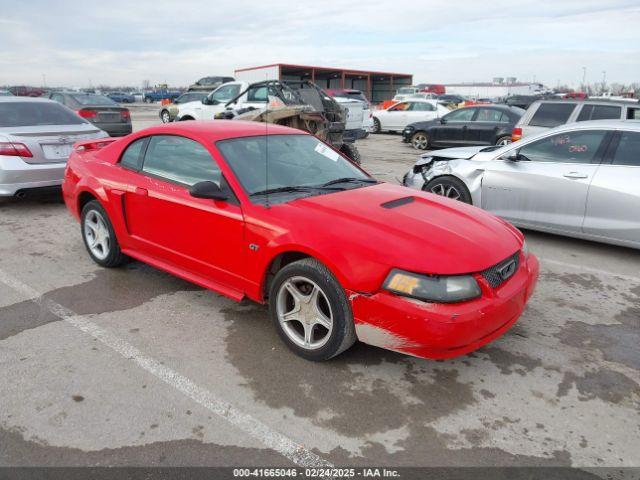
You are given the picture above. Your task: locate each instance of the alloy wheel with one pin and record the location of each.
(166, 118)
(420, 141)
(304, 312)
(448, 191)
(97, 234)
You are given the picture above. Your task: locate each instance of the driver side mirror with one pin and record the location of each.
(443, 120)
(513, 157)
(208, 189)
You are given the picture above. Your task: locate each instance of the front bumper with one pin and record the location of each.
(407, 133)
(413, 180)
(17, 175)
(115, 129)
(437, 331)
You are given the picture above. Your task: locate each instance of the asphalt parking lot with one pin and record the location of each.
(133, 366)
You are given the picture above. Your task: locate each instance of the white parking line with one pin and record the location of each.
(245, 422)
(590, 270)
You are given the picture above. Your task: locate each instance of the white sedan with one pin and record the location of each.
(399, 115)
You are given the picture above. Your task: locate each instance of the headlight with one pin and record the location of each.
(441, 289)
(525, 249)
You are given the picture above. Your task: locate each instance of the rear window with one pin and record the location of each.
(599, 112)
(93, 100)
(357, 95)
(26, 114)
(552, 114)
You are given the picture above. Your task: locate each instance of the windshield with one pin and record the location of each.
(93, 100)
(23, 114)
(294, 161)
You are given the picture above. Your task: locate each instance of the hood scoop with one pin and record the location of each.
(397, 202)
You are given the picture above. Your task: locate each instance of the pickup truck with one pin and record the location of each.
(157, 95)
(216, 101)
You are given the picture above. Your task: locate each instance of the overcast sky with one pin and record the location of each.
(114, 42)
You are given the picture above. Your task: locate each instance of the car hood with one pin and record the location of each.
(460, 153)
(403, 228)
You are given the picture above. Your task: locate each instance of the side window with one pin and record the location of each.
(58, 98)
(599, 112)
(423, 107)
(552, 114)
(180, 160)
(568, 147)
(633, 113)
(462, 115)
(489, 115)
(258, 94)
(628, 151)
(132, 156)
(400, 107)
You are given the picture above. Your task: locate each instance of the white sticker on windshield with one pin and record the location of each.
(331, 154)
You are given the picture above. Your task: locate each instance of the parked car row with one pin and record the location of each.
(579, 179)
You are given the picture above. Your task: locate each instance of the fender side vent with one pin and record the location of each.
(397, 203)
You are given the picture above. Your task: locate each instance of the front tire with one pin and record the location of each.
(165, 116)
(310, 311)
(504, 140)
(450, 187)
(420, 141)
(99, 236)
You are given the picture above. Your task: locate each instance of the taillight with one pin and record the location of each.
(125, 114)
(516, 134)
(86, 113)
(15, 149)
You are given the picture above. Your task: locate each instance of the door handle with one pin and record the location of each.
(575, 175)
(142, 191)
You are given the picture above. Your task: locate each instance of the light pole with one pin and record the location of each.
(584, 78)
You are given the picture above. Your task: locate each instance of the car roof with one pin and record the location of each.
(214, 130)
(606, 124)
(591, 101)
(16, 99)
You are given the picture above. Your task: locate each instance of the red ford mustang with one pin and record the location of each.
(337, 255)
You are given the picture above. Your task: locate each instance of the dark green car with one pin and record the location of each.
(169, 111)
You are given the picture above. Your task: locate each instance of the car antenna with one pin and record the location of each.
(266, 145)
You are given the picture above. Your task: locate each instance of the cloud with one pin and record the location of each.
(120, 42)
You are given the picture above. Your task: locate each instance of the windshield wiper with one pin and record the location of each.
(349, 180)
(290, 188)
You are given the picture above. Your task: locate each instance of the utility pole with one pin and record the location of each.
(584, 78)
(604, 81)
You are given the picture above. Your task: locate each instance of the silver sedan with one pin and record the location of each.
(581, 180)
(36, 138)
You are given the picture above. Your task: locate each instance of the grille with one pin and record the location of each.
(500, 273)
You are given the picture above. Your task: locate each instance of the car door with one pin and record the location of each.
(452, 130)
(548, 184)
(485, 125)
(613, 203)
(201, 236)
(395, 117)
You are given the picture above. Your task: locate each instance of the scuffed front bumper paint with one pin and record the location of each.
(437, 331)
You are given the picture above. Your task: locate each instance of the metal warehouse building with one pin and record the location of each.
(377, 86)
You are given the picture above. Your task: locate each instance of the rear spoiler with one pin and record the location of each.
(92, 145)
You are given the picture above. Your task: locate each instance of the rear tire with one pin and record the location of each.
(450, 187)
(99, 236)
(377, 128)
(351, 151)
(302, 292)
